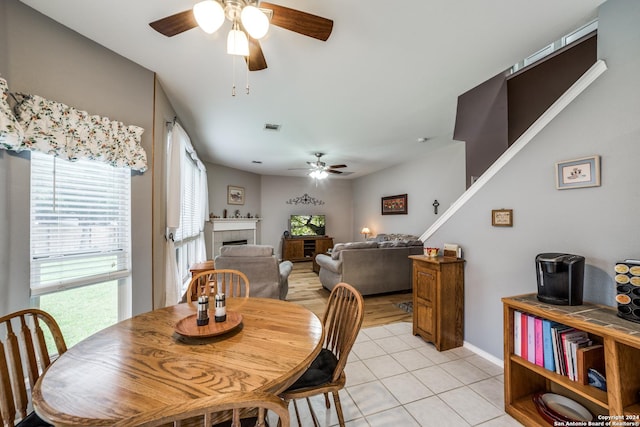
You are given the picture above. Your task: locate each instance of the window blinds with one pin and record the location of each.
(191, 202)
(80, 223)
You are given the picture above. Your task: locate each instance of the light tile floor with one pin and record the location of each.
(395, 379)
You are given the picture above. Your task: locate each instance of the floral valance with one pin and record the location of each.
(66, 132)
(11, 133)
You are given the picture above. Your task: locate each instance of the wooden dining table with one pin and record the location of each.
(143, 364)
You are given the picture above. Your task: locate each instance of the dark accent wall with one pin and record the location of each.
(532, 90)
(481, 121)
(494, 114)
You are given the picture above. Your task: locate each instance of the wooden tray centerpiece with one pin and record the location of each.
(188, 326)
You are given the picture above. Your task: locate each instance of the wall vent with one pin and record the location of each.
(271, 126)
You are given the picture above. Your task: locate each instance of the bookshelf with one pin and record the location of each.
(620, 339)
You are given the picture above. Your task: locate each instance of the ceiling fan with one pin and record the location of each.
(319, 169)
(246, 18)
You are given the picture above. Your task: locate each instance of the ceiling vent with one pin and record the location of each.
(271, 126)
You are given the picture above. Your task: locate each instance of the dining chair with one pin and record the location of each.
(25, 337)
(208, 410)
(342, 321)
(232, 283)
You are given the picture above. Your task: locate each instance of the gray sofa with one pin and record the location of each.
(267, 277)
(373, 267)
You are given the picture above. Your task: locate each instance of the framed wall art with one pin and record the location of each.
(578, 173)
(235, 195)
(394, 205)
(502, 217)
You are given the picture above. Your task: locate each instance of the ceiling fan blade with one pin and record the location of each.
(175, 24)
(255, 60)
(300, 22)
(332, 171)
(337, 166)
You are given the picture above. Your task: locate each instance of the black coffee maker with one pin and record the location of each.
(560, 278)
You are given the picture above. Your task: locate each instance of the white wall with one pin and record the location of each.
(599, 223)
(438, 175)
(220, 177)
(336, 194)
(42, 57)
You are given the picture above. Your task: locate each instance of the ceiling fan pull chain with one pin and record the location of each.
(248, 59)
(233, 75)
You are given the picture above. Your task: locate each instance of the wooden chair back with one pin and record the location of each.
(233, 283)
(211, 409)
(342, 321)
(24, 336)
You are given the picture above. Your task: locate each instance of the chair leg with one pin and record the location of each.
(295, 406)
(316, 423)
(261, 417)
(235, 418)
(336, 400)
(326, 400)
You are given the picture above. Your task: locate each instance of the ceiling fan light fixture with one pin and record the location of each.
(209, 15)
(318, 174)
(255, 22)
(237, 42)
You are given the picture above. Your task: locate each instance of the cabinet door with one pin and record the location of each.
(293, 249)
(322, 245)
(426, 282)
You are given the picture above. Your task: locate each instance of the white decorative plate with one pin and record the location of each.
(566, 407)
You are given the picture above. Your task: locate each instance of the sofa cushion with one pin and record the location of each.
(335, 253)
(393, 244)
(246, 250)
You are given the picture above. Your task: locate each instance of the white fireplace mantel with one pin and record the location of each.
(230, 224)
(224, 229)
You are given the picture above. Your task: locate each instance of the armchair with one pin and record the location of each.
(267, 276)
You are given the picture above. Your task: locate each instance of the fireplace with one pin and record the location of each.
(235, 231)
(234, 242)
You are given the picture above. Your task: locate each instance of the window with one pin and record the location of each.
(558, 44)
(186, 236)
(80, 243)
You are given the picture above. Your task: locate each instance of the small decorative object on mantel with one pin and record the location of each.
(395, 205)
(305, 199)
(578, 173)
(502, 217)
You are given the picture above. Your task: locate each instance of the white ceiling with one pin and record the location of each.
(389, 74)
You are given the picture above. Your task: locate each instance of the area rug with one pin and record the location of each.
(406, 306)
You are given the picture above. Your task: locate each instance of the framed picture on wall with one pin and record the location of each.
(394, 205)
(235, 195)
(502, 217)
(578, 173)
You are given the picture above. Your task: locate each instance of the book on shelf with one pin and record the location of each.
(569, 339)
(539, 343)
(531, 339)
(524, 335)
(547, 342)
(517, 330)
(550, 344)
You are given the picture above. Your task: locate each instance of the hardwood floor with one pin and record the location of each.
(305, 289)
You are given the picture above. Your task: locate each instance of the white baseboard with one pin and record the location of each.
(490, 357)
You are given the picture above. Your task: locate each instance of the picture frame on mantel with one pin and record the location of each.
(235, 195)
(395, 205)
(578, 173)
